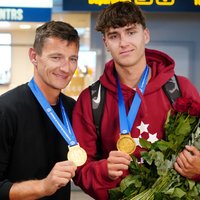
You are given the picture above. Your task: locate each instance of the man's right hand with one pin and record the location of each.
(118, 161)
(59, 176)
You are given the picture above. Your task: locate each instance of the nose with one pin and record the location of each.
(123, 41)
(65, 66)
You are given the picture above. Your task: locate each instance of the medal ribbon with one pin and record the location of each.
(64, 129)
(126, 123)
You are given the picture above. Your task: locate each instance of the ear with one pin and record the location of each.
(105, 44)
(147, 35)
(32, 56)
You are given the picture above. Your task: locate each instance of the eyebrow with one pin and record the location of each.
(131, 27)
(74, 56)
(55, 54)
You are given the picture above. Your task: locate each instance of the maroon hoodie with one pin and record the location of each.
(93, 176)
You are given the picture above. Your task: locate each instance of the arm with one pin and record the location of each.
(96, 177)
(59, 176)
(23, 188)
(188, 162)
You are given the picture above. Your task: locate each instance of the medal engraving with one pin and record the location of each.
(77, 155)
(126, 143)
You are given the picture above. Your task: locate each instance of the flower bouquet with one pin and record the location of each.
(155, 178)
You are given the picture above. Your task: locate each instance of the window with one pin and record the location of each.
(5, 61)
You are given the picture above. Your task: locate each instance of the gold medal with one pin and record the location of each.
(77, 155)
(126, 143)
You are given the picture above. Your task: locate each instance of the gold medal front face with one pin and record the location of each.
(126, 144)
(77, 155)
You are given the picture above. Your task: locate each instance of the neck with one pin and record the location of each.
(50, 94)
(131, 76)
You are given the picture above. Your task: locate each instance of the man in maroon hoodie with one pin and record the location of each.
(133, 66)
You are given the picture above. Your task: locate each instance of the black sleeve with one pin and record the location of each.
(5, 149)
(4, 189)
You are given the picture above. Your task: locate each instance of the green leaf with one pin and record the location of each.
(129, 180)
(176, 192)
(144, 143)
(163, 145)
(115, 193)
(191, 184)
(183, 128)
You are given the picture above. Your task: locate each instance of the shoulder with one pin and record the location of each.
(188, 89)
(14, 102)
(84, 96)
(15, 96)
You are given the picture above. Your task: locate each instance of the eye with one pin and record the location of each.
(74, 60)
(131, 32)
(112, 37)
(55, 58)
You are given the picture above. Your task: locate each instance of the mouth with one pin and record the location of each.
(62, 76)
(125, 52)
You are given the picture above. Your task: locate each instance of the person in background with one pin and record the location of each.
(33, 154)
(125, 36)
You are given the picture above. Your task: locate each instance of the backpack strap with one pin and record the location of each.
(97, 92)
(172, 89)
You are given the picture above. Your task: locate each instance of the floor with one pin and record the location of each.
(79, 195)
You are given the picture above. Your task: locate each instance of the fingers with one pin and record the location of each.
(65, 169)
(117, 162)
(59, 176)
(192, 149)
(187, 162)
(119, 157)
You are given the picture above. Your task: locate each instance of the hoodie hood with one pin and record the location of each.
(162, 69)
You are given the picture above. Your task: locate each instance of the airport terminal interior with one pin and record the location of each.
(176, 33)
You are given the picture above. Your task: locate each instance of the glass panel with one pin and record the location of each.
(5, 61)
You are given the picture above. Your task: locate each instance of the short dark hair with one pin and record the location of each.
(58, 29)
(119, 14)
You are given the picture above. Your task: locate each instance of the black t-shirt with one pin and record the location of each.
(30, 144)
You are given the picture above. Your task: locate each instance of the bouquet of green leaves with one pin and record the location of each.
(155, 178)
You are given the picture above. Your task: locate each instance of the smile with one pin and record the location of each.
(126, 52)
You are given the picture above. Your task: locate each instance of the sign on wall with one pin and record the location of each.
(23, 10)
(146, 5)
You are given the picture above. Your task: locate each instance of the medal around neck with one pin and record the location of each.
(77, 155)
(126, 144)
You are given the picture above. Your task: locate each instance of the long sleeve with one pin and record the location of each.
(5, 150)
(91, 177)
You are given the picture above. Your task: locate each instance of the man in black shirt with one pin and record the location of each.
(33, 153)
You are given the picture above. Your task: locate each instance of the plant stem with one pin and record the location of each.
(161, 184)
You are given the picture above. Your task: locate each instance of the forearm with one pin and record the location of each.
(93, 179)
(29, 190)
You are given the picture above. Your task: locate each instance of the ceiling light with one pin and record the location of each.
(24, 26)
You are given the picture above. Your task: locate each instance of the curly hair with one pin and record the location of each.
(119, 14)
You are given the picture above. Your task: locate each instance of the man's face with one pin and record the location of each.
(127, 44)
(57, 63)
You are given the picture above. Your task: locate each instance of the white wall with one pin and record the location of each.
(22, 69)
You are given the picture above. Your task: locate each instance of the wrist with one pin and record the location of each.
(196, 178)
